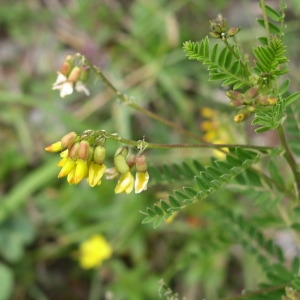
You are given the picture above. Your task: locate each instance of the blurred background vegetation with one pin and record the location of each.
(137, 43)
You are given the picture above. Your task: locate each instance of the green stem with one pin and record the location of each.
(289, 157)
(127, 100)
(266, 22)
(231, 50)
(142, 144)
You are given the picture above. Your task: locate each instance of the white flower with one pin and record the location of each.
(80, 87)
(66, 87)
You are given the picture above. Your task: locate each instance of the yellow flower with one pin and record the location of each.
(141, 181)
(81, 170)
(69, 164)
(55, 147)
(207, 112)
(94, 251)
(125, 183)
(95, 173)
(218, 154)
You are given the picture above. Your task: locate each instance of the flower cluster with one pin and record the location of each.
(82, 156)
(93, 252)
(71, 75)
(220, 29)
(248, 101)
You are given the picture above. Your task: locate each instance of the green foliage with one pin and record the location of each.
(270, 57)
(222, 64)
(269, 118)
(234, 221)
(207, 181)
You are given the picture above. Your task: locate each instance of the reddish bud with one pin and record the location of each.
(83, 150)
(73, 152)
(67, 65)
(233, 31)
(251, 93)
(68, 139)
(236, 103)
(234, 95)
(141, 163)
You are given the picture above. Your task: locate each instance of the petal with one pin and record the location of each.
(125, 183)
(80, 170)
(60, 79)
(96, 171)
(80, 87)
(55, 147)
(141, 181)
(67, 168)
(66, 89)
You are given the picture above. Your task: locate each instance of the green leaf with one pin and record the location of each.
(284, 87)
(273, 28)
(173, 202)
(292, 98)
(165, 206)
(158, 210)
(273, 14)
(180, 195)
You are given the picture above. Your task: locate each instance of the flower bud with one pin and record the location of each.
(83, 150)
(233, 31)
(67, 65)
(84, 75)
(131, 161)
(99, 154)
(121, 164)
(120, 160)
(242, 115)
(251, 93)
(265, 100)
(234, 95)
(68, 139)
(215, 35)
(223, 25)
(73, 152)
(141, 163)
(74, 75)
(236, 103)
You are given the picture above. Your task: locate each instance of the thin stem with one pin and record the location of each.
(266, 22)
(127, 100)
(231, 49)
(142, 144)
(289, 157)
